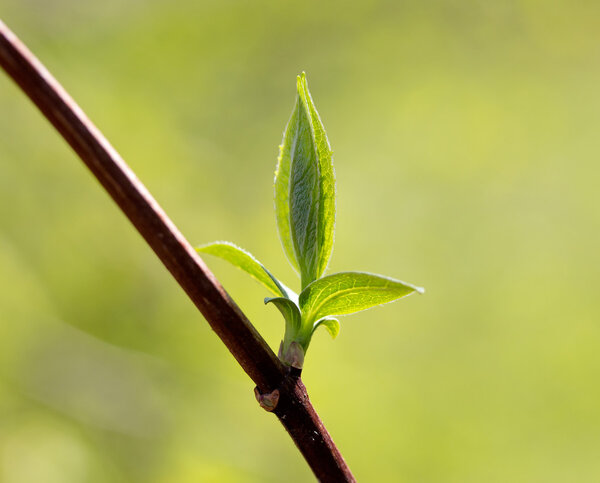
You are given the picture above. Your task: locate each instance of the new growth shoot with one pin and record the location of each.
(305, 212)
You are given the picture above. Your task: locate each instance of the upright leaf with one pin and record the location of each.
(282, 187)
(305, 190)
(348, 292)
(326, 222)
(246, 262)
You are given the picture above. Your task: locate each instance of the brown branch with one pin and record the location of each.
(293, 407)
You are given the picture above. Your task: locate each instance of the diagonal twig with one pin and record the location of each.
(293, 407)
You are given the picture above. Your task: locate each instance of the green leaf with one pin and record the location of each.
(348, 292)
(332, 325)
(282, 187)
(289, 310)
(305, 190)
(326, 222)
(246, 262)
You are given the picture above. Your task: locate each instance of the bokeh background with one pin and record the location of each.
(466, 152)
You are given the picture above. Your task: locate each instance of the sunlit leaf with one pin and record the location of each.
(305, 190)
(246, 262)
(348, 292)
(326, 222)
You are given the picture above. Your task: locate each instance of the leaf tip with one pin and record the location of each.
(301, 83)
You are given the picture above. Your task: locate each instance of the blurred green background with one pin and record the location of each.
(466, 152)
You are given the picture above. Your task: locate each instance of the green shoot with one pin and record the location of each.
(305, 212)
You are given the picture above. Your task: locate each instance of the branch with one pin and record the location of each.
(293, 408)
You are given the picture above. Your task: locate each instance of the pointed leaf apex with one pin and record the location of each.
(299, 84)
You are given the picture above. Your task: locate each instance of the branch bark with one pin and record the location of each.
(293, 408)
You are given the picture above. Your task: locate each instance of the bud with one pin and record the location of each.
(267, 401)
(293, 355)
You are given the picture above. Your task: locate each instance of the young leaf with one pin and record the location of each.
(305, 190)
(246, 262)
(326, 222)
(348, 292)
(332, 325)
(282, 187)
(289, 310)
